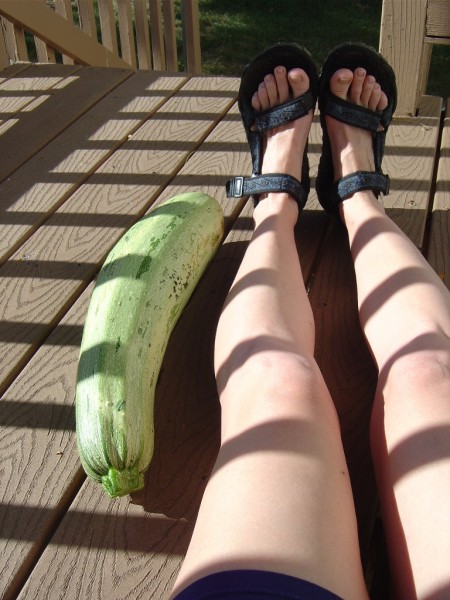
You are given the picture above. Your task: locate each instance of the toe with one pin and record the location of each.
(359, 77)
(271, 87)
(375, 97)
(282, 84)
(383, 102)
(299, 82)
(367, 90)
(340, 83)
(256, 104)
(263, 96)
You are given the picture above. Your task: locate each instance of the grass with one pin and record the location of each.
(233, 31)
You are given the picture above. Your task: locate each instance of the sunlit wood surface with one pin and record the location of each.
(84, 153)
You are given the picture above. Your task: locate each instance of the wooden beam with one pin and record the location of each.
(15, 42)
(402, 43)
(64, 8)
(438, 19)
(4, 58)
(170, 37)
(142, 34)
(157, 36)
(126, 33)
(108, 25)
(191, 36)
(58, 33)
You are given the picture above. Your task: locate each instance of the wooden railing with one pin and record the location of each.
(409, 28)
(136, 34)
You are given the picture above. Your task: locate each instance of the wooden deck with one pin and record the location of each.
(84, 153)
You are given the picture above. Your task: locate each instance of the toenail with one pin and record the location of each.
(280, 70)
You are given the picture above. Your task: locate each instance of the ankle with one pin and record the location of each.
(361, 206)
(276, 205)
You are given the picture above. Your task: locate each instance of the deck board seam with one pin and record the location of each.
(426, 237)
(67, 195)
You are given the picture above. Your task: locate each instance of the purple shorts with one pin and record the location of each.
(254, 585)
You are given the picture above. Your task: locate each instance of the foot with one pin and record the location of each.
(351, 146)
(284, 145)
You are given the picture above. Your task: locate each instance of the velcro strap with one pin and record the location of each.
(263, 184)
(285, 113)
(349, 113)
(362, 180)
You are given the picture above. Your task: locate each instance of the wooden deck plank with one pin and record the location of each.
(409, 159)
(42, 184)
(44, 465)
(77, 93)
(50, 270)
(348, 369)
(12, 70)
(27, 87)
(118, 549)
(438, 253)
(114, 548)
(40, 465)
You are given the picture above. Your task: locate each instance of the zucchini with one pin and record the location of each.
(141, 290)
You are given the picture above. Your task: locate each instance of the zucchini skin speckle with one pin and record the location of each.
(141, 291)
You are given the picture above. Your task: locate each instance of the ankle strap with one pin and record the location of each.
(359, 181)
(263, 184)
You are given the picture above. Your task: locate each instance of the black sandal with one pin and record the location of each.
(257, 123)
(352, 56)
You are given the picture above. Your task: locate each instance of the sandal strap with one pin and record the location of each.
(263, 184)
(352, 114)
(361, 180)
(285, 113)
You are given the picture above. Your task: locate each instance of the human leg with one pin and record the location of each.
(279, 498)
(405, 313)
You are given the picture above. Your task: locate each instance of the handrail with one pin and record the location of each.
(136, 34)
(407, 34)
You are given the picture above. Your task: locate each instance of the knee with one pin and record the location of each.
(418, 372)
(276, 383)
(275, 371)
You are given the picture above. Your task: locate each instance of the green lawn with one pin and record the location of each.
(232, 31)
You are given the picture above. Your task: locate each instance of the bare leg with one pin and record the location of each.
(279, 498)
(405, 313)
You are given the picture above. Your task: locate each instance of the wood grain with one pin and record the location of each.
(409, 160)
(119, 550)
(77, 93)
(438, 19)
(42, 184)
(55, 30)
(40, 469)
(19, 91)
(61, 536)
(42, 279)
(186, 423)
(12, 70)
(402, 43)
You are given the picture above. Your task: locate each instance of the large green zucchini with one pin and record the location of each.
(140, 292)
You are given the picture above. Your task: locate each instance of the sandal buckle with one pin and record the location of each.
(235, 187)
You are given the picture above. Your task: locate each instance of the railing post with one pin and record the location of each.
(4, 58)
(402, 43)
(191, 36)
